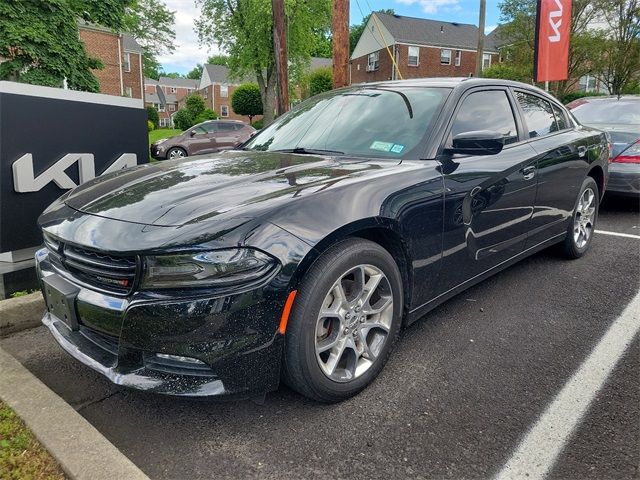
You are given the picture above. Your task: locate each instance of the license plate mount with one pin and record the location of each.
(60, 297)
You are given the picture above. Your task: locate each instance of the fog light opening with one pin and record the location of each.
(179, 358)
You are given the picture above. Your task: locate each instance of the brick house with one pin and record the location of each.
(121, 56)
(420, 47)
(216, 88)
(166, 93)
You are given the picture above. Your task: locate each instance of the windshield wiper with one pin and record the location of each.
(309, 151)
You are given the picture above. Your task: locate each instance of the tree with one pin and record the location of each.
(207, 114)
(41, 44)
(196, 72)
(355, 31)
(183, 119)
(246, 100)
(152, 24)
(320, 80)
(152, 116)
(243, 28)
(194, 111)
(505, 71)
(172, 75)
(619, 61)
(218, 60)
(195, 104)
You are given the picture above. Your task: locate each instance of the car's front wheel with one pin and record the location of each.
(345, 321)
(583, 222)
(176, 152)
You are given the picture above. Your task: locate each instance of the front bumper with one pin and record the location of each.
(231, 340)
(158, 152)
(624, 178)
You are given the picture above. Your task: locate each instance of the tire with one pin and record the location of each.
(583, 221)
(362, 331)
(176, 152)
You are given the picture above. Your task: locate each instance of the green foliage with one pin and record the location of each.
(246, 100)
(208, 114)
(195, 111)
(172, 75)
(41, 43)
(218, 60)
(571, 96)
(196, 73)
(355, 31)
(151, 68)
(243, 29)
(195, 105)
(258, 124)
(183, 119)
(150, 126)
(505, 71)
(320, 80)
(152, 116)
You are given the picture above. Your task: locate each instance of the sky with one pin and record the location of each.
(189, 52)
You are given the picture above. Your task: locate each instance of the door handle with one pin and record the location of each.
(582, 150)
(529, 172)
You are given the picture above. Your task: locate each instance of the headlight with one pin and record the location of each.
(218, 268)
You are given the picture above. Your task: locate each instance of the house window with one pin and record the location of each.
(205, 93)
(172, 107)
(224, 91)
(414, 56)
(189, 90)
(126, 62)
(159, 107)
(458, 57)
(445, 56)
(587, 84)
(224, 111)
(173, 89)
(128, 92)
(486, 60)
(373, 61)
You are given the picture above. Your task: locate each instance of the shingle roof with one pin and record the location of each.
(220, 74)
(154, 98)
(422, 31)
(150, 81)
(497, 38)
(129, 44)
(178, 82)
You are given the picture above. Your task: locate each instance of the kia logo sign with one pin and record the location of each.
(25, 181)
(553, 28)
(555, 24)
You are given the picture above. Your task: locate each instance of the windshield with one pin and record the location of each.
(376, 121)
(626, 112)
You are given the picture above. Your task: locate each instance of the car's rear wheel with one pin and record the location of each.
(176, 152)
(345, 321)
(583, 222)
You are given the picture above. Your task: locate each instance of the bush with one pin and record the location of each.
(195, 104)
(150, 126)
(183, 119)
(320, 80)
(508, 72)
(571, 96)
(208, 114)
(152, 116)
(258, 124)
(246, 100)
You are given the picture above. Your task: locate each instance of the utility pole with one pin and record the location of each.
(282, 61)
(340, 35)
(480, 51)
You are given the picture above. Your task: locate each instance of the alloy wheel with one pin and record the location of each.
(354, 323)
(584, 218)
(176, 153)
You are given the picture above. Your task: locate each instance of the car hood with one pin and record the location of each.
(622, 135)
(196, 189)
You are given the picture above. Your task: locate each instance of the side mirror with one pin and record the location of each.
(481, 142)
(192, 133)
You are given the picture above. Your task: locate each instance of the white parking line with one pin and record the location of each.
(616, 234)
(540, 448)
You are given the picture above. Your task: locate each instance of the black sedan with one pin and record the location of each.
(620, 117)
(302, 255)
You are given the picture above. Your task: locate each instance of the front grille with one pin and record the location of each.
(111, 273)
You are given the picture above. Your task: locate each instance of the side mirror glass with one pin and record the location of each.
(192, 133)
(481, 142)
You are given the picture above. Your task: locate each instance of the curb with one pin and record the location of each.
(21, 313)
(82, 451)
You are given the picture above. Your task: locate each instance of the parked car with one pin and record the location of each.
(206, 137)
(302, 255)
(620, 117)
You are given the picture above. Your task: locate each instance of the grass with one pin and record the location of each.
(155, 135)
(21, 455)
(21, 293)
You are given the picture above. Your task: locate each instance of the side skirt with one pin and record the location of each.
(423, 309)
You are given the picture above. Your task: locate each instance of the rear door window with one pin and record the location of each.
(561, 118)
(538, 115)
(226, 127)
(486, 110)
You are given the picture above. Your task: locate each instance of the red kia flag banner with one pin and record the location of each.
(553, 28)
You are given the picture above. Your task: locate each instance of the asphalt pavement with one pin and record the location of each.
(463, 387)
